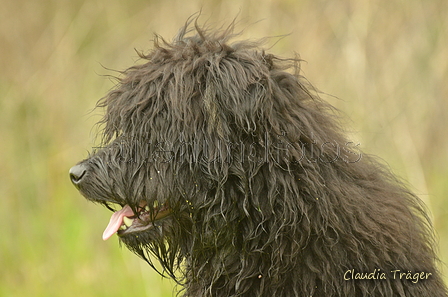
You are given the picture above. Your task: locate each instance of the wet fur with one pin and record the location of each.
(268, 197)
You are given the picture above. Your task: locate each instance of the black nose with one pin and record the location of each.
(77, 173)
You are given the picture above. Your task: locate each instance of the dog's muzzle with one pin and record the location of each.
(127, 220)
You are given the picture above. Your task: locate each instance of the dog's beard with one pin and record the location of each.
(153, 233)
(159, 242)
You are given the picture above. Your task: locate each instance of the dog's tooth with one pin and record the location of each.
(155, 204)
(147, 208)
(127, 221)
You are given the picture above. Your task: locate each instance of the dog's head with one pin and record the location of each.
(200, 146)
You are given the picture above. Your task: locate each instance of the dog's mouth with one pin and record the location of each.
(125, 221)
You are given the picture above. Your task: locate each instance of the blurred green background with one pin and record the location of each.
(385, 62)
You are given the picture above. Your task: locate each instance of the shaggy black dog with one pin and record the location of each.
(231, 171)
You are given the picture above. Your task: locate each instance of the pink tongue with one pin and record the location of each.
(116, 221)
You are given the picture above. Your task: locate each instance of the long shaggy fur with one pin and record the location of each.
(267, 196)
